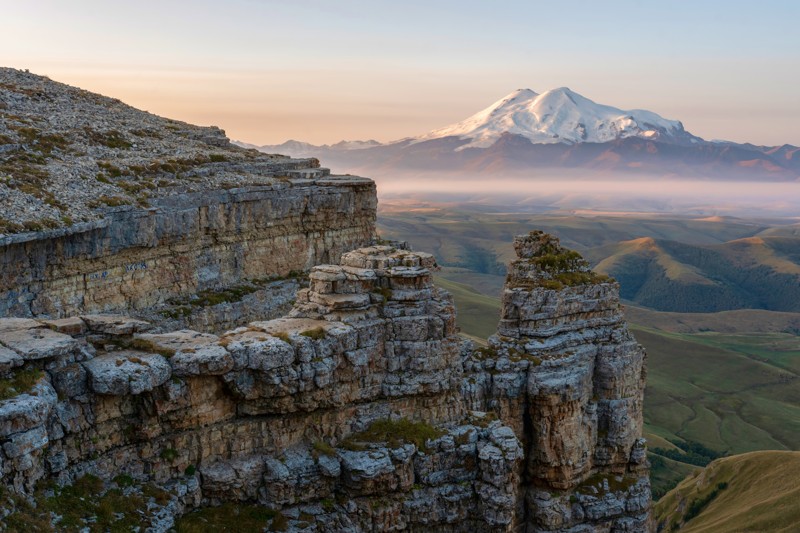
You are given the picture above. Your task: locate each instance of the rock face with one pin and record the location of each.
(361, 410)
(138, 259)
(566, 373)
(106, 208)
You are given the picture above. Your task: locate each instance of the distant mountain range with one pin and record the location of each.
(559, 129)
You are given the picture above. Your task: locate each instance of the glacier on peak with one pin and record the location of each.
(557, 116)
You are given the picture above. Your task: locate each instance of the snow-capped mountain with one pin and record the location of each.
(557, 129)
(558, 116)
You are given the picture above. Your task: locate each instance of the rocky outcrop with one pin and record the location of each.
(132, 250)
(361, 410)
(137, 260)
(566, 373)
(106, 208)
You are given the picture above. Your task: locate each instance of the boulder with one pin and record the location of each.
(127, 372)
(38, 343)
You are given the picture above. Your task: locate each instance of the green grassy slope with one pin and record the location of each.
(739, 320)
(755, 273)
(719, 391)
(757, 491)
(476, 314)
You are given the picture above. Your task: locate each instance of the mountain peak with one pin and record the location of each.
(524, 93)
(558, 116)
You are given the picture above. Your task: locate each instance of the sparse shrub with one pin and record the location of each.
(110, 169)
(323, 448)
(20, 382)
(385, 292)
(123, 480)
(394, 433)
(282, 335)
(110, 201)
(169, 454)
(279, 523)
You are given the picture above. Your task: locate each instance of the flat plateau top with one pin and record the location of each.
(68, 156)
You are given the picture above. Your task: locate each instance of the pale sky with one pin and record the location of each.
(323, 71)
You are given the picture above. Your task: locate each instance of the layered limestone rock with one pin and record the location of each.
(360, 410)
(135, 260)
(567, 375)
(107, 208)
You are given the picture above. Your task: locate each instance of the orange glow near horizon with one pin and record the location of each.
(322, 72)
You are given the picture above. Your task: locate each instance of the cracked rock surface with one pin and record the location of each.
(360, 410)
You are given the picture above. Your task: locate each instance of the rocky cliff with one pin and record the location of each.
(106, 208)
(361, 410)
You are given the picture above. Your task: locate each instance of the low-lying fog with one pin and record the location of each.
(605, 194)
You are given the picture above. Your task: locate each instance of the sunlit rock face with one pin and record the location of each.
(360, 410)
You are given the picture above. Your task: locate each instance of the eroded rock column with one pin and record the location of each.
(567, 375)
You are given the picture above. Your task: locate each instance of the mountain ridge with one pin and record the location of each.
(558, 116)
(559, 129)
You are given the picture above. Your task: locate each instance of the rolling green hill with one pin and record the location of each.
(739, 320)
(667, 263)
(731, 393)
(756, 491)
(753, 273)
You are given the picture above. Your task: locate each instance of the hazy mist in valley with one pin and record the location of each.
(603, 193)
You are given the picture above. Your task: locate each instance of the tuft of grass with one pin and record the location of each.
(317, 333)
(385, 292)
(110, 201)
(394, 433)
(149, 346)
(323, 448)
(328, 504)
(226, 517)
(211, 297)
(124, 480)
(282, 335)
(177, 312)
(110, 139)
(485, 352)
(169, 454)
(279, 523)
(20, 382)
